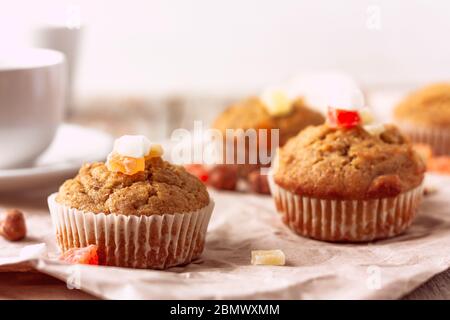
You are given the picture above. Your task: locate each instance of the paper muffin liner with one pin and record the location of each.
(346, 220)
(437, 138)
(156, 241)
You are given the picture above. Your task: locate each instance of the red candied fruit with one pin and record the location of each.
(343, 118)
(85, 255)
(198, 170)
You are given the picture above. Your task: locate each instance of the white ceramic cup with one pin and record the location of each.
(32, 94)
(67, 41)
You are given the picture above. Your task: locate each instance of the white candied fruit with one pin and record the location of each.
(268, 257)
(375, 129)
(132, 146)
(276, 101)
(367, 117)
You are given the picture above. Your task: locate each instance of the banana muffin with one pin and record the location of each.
(252, 114)
(139, 210)
(273, 110)
(425, 117)
(348, 183)
(162, 188)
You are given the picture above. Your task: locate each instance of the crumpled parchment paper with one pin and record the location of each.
(385, 269)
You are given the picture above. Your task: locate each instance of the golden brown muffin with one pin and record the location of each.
(252, 114)
(154, 218)
(162, 188)
(424, 116)
(348, 185)
(428, 106)
(326, 162)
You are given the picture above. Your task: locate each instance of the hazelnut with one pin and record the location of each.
(223, 177)
(258, 182)
(12, 225)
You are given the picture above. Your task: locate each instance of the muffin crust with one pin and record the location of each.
(252, 114)
(429, 106)
(350, 164)
(162, 188)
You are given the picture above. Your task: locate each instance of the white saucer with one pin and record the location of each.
(73, 145)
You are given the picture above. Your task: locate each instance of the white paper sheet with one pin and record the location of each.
(243, 222)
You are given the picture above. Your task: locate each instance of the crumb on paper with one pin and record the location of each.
(268, 257)
(429, 190)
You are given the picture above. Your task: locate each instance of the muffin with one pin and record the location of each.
(424, 116)
(347, 184)
(252, 113)
(139, 210)
(273, 110)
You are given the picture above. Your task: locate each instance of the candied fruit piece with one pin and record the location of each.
(276, 102)
(439, 164)
(126, 165)
(198, 170)
(268, 257)
(343, 118)
(367, 117)
(155, 151)
(429, 190)
(375, 129)
(85, 255)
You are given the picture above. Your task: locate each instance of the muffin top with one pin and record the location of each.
(161, 188)
(348, 163)
(252, 114)
(429, 106)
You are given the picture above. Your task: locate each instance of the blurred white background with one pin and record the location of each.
(233, 47)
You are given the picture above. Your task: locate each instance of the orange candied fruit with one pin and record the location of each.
(439, 164)
(125, 165)
(85, 255)
(155, 151)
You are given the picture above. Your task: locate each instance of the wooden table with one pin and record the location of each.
(34, 285)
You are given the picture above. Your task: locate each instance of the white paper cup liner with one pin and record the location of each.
(156, 241)
(346, 220)
(437, 138)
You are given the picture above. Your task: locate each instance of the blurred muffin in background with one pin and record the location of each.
(289, 107)
(424, 116)
(255, 113)
(272, 110)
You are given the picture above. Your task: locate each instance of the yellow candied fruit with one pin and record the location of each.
(155, 151)
(125, 165)
(366, 116)
(375, 129)
(268, 257)
(277, 102)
